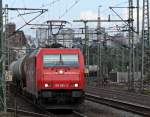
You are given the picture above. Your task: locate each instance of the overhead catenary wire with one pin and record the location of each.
(21, 16)
(13, 3)
(28, 22)
(46, 5)
(67, 10)
(51, 3)
(105, 10)
(24, 4)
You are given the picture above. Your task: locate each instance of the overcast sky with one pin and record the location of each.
(82, 9)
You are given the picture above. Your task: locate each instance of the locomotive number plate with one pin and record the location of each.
(61, 85)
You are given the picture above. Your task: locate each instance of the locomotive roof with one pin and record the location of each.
(35, 52)
(60, 48)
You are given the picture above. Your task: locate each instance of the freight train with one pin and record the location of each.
(53, 77)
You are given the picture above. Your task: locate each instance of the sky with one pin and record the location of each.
(82, 9)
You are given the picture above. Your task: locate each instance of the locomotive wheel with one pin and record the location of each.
(35, 101)
(21, 88)
(39, 101)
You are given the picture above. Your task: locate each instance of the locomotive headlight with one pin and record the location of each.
(61, 71)
(76, 85)
(46, 85)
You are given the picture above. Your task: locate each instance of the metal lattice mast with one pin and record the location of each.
(86, 46)
(1, 22)
(2, 72)
(1, 65)
(145, 23)
(145, 40)
(6, 40)
(138, 17)
(131, 46)
(99, 63)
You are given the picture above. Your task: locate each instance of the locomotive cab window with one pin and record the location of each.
(70, 59)
(51, 60)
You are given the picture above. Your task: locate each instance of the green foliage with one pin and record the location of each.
(113, 58)
(147, 78)
(1, 92)
(1, 95)
(146, 91)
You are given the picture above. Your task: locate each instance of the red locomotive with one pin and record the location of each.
(52, 76)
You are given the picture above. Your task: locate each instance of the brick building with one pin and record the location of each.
(15, 40)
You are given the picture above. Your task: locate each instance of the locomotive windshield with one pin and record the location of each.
(60, 60)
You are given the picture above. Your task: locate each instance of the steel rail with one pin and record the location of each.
(43, 110)
(19, 111)
(119, 92)
(123, 105)
(36, 106)
(79, 114)
(121, 95)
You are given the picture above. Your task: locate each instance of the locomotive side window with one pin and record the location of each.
(60, 60)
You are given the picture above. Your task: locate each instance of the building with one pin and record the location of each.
(65, 37)
(15, 41)
(14, 38)
(41, 36)
(122, 77)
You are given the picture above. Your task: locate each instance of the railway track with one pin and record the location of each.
(25, 106)
(43, 112)
(79, 114)
(34, 114)
(27, 113)
(48, 113)
(120, 100)
(28, 108)
(36, 111)
(140, 99)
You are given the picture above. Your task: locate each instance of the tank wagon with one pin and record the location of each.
(53, 77)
